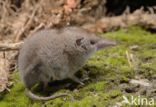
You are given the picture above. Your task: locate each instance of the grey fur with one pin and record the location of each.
(56, 54)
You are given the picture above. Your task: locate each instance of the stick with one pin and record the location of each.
(9, 47)
(129, 59)
(28, 24)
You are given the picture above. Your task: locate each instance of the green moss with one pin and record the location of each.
(98, 99)
(98, 86)
(16, 97)
(107, 68)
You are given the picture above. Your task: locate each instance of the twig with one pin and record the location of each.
(28, 24)
(129, 59)
(12, 46)
(37, 28)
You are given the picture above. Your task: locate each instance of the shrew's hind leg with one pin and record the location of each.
(76, 79)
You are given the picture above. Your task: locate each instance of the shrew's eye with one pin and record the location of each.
(79, 41)
(92, 42)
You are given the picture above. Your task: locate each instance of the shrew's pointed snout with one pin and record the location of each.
(105, 43)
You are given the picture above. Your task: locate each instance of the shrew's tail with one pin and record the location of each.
(40, 98)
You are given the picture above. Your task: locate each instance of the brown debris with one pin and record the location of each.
(139, 17)
(4, 68)
(69, 5)
(9, 47)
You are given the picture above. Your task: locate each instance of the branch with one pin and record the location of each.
(12, 46)
(28, 24)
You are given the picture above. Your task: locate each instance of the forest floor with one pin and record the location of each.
(117, 73)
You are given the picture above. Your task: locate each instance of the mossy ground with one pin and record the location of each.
(107, 69)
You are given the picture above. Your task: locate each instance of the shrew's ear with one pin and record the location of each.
(79, 41)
